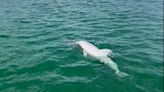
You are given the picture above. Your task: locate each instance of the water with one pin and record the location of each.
(38, 52)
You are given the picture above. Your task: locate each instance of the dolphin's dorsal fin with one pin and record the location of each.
(106, 52)
(84, 53)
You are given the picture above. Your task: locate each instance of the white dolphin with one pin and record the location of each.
(100, 54)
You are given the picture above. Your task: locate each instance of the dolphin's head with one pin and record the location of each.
(81, 41)
(78, 45)
(77, 42)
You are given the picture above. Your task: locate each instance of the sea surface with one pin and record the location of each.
(38, 51)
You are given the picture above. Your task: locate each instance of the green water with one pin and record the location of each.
(38, 51)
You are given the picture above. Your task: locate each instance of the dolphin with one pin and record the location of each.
(101, 55)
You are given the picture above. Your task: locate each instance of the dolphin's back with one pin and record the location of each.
(89, 48)
(87, 45)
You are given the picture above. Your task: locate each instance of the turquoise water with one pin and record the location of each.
(38, 51)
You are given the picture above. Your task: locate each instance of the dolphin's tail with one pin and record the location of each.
(114, 66)
(121, 74)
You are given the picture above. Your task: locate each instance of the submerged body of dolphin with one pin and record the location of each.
(100, 54)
